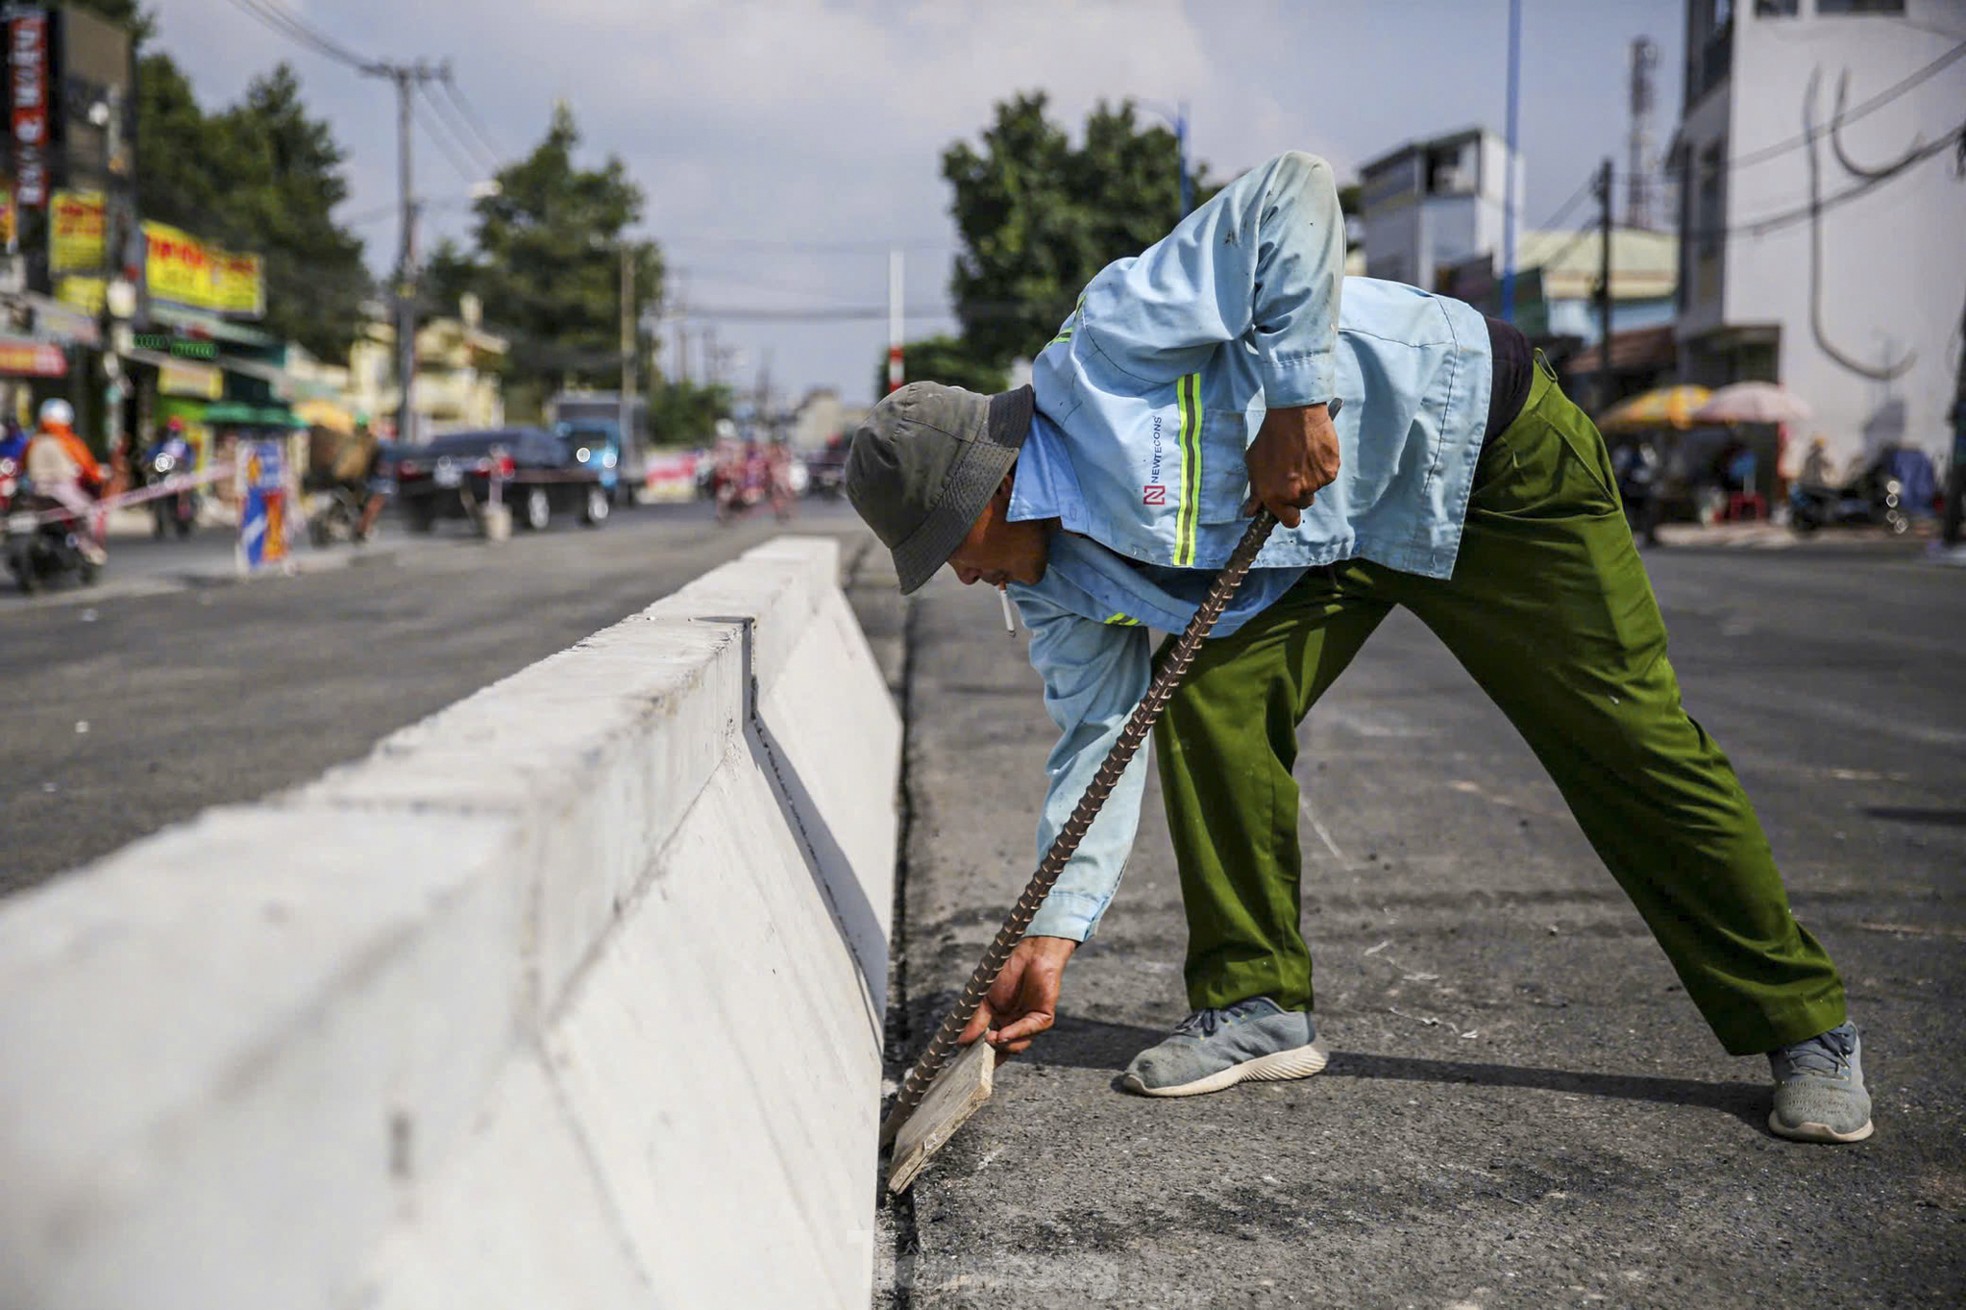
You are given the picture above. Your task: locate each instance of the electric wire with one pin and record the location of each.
(286, 23)
(1878, 101)
(486, 161)
(472, 118)
(467, 167)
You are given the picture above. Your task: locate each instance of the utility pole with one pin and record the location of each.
(1956, 469)
(895, 369)
(628, 343)
(1508, 182)
(1181, 147)
(1604, 287)
(407, 78)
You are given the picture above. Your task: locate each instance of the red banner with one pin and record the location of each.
(27, 60)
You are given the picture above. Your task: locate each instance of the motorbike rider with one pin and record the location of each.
(171, 441)
(359, 468)
(62, 469)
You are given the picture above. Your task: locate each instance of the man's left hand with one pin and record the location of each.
(1294, 456)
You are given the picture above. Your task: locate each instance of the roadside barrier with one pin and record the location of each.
(18, 521)
(569, 995)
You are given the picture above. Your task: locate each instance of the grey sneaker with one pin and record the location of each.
(1213, 1049)
(1819, 1088)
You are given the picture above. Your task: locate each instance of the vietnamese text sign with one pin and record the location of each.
(27, 67)
(77, 229)
(186, 271)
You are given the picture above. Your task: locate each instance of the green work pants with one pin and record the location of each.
(1550, 609)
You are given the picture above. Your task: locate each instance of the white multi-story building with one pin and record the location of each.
(1827, 255)
(1430, 204)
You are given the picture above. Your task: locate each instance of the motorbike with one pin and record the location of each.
(177, 512)
(1867, 502)
(43, 545)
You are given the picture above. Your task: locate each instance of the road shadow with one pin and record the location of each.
(1915, 814)
(1093, 1044)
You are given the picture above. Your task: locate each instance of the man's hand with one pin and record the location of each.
(1294, 456)
(1024, 1001)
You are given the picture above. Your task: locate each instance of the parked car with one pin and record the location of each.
(537, 473)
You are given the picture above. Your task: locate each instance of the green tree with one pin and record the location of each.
(547, 261)
(288, 172)
(947, 360)
(262, 176)
(1039, 216)
(685, 413)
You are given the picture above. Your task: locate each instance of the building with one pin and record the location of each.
(457, 374)
(1433, 203)
(820, 417)
(1827, 257)
(1556, 304)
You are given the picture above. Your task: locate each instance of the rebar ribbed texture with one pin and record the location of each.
(1172, 670)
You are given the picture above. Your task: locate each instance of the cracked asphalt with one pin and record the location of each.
(1522, 1108)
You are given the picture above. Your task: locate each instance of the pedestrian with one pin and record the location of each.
(1416, 455)
(1636, 464)
(63, 469)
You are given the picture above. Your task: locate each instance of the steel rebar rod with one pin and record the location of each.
(1166, 678)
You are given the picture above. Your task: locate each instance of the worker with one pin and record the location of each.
(1417, 456)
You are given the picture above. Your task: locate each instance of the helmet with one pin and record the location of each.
(174, 424)
(57, 413)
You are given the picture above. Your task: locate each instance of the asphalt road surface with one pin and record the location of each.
(1522, 1107)
(166, 690)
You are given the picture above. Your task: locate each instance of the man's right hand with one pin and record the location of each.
(1024, 1001)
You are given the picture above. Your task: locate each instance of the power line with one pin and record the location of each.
(485, 160)
(1878, 101)
(1776, 222)
(289, 25)
(1563, 210)
(467, 168)
(472, 119)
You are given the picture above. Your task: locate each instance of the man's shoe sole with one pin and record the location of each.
(1280, 1067)
(1808, 1132)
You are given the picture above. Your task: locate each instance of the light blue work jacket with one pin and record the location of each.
(1147, 401)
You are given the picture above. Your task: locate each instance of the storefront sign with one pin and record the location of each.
(185, 271)
(27, 60)
(77, 231)
(262, 505)
(82, 291)
(32, 359)
(199, 380)
(9, 217)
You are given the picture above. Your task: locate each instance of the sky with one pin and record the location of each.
(785, 145)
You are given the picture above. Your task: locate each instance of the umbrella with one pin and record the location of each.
(1664, 407)
(326, 414)
(1753, 402)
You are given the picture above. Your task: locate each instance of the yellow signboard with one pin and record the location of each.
(85, 293)
(186, 271)
(9, 221)
(177, 378)
(77, 231)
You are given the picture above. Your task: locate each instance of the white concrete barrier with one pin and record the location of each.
(569, 995)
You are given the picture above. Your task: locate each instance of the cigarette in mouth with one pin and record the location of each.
(1009, 624)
